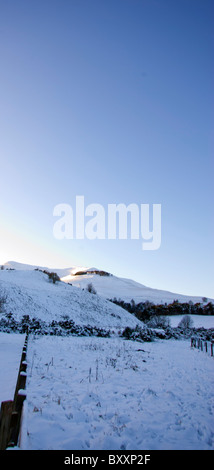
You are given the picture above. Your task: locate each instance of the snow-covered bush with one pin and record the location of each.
(64, 327)
(137, 334)
(157, 321)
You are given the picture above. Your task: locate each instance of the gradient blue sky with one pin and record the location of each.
(113, 100)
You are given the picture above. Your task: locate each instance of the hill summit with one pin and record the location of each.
(109, 286)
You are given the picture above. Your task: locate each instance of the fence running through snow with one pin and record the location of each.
(11, 410)
(203, 345)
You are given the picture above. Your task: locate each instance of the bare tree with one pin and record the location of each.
(91, 289)
(186, 322)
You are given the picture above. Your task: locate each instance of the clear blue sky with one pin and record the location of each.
(113, 100)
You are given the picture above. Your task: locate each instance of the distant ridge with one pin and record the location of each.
(109, 286)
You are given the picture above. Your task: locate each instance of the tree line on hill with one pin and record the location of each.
(145, 310)
(94, 271)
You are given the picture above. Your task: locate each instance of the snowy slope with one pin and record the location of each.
(30, 267)
(127, 289)
(112, 286)
(30, 292)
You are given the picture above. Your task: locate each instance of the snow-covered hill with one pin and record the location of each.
(112, 286)
(101, 393)
(126, 289)
(30, 292)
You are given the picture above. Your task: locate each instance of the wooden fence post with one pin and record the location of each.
(11, 411)
(5, 420)
(15, 426)
(203, 345)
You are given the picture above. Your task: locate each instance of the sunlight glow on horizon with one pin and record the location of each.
(112, 100)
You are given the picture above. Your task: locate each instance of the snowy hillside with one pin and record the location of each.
(30, 292)
(126, 289)
(112, 286)
(106, 393)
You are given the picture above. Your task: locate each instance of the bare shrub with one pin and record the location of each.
(186, 322)
(91, 289)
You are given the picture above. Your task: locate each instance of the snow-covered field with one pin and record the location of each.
(10, 354)
(205, 321)
(109, 393)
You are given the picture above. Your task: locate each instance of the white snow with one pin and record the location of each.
(205, 321)
(127, 289)
(98, 393)
(31, 293)
(102, 393)
(10, 354)
(112, 286)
